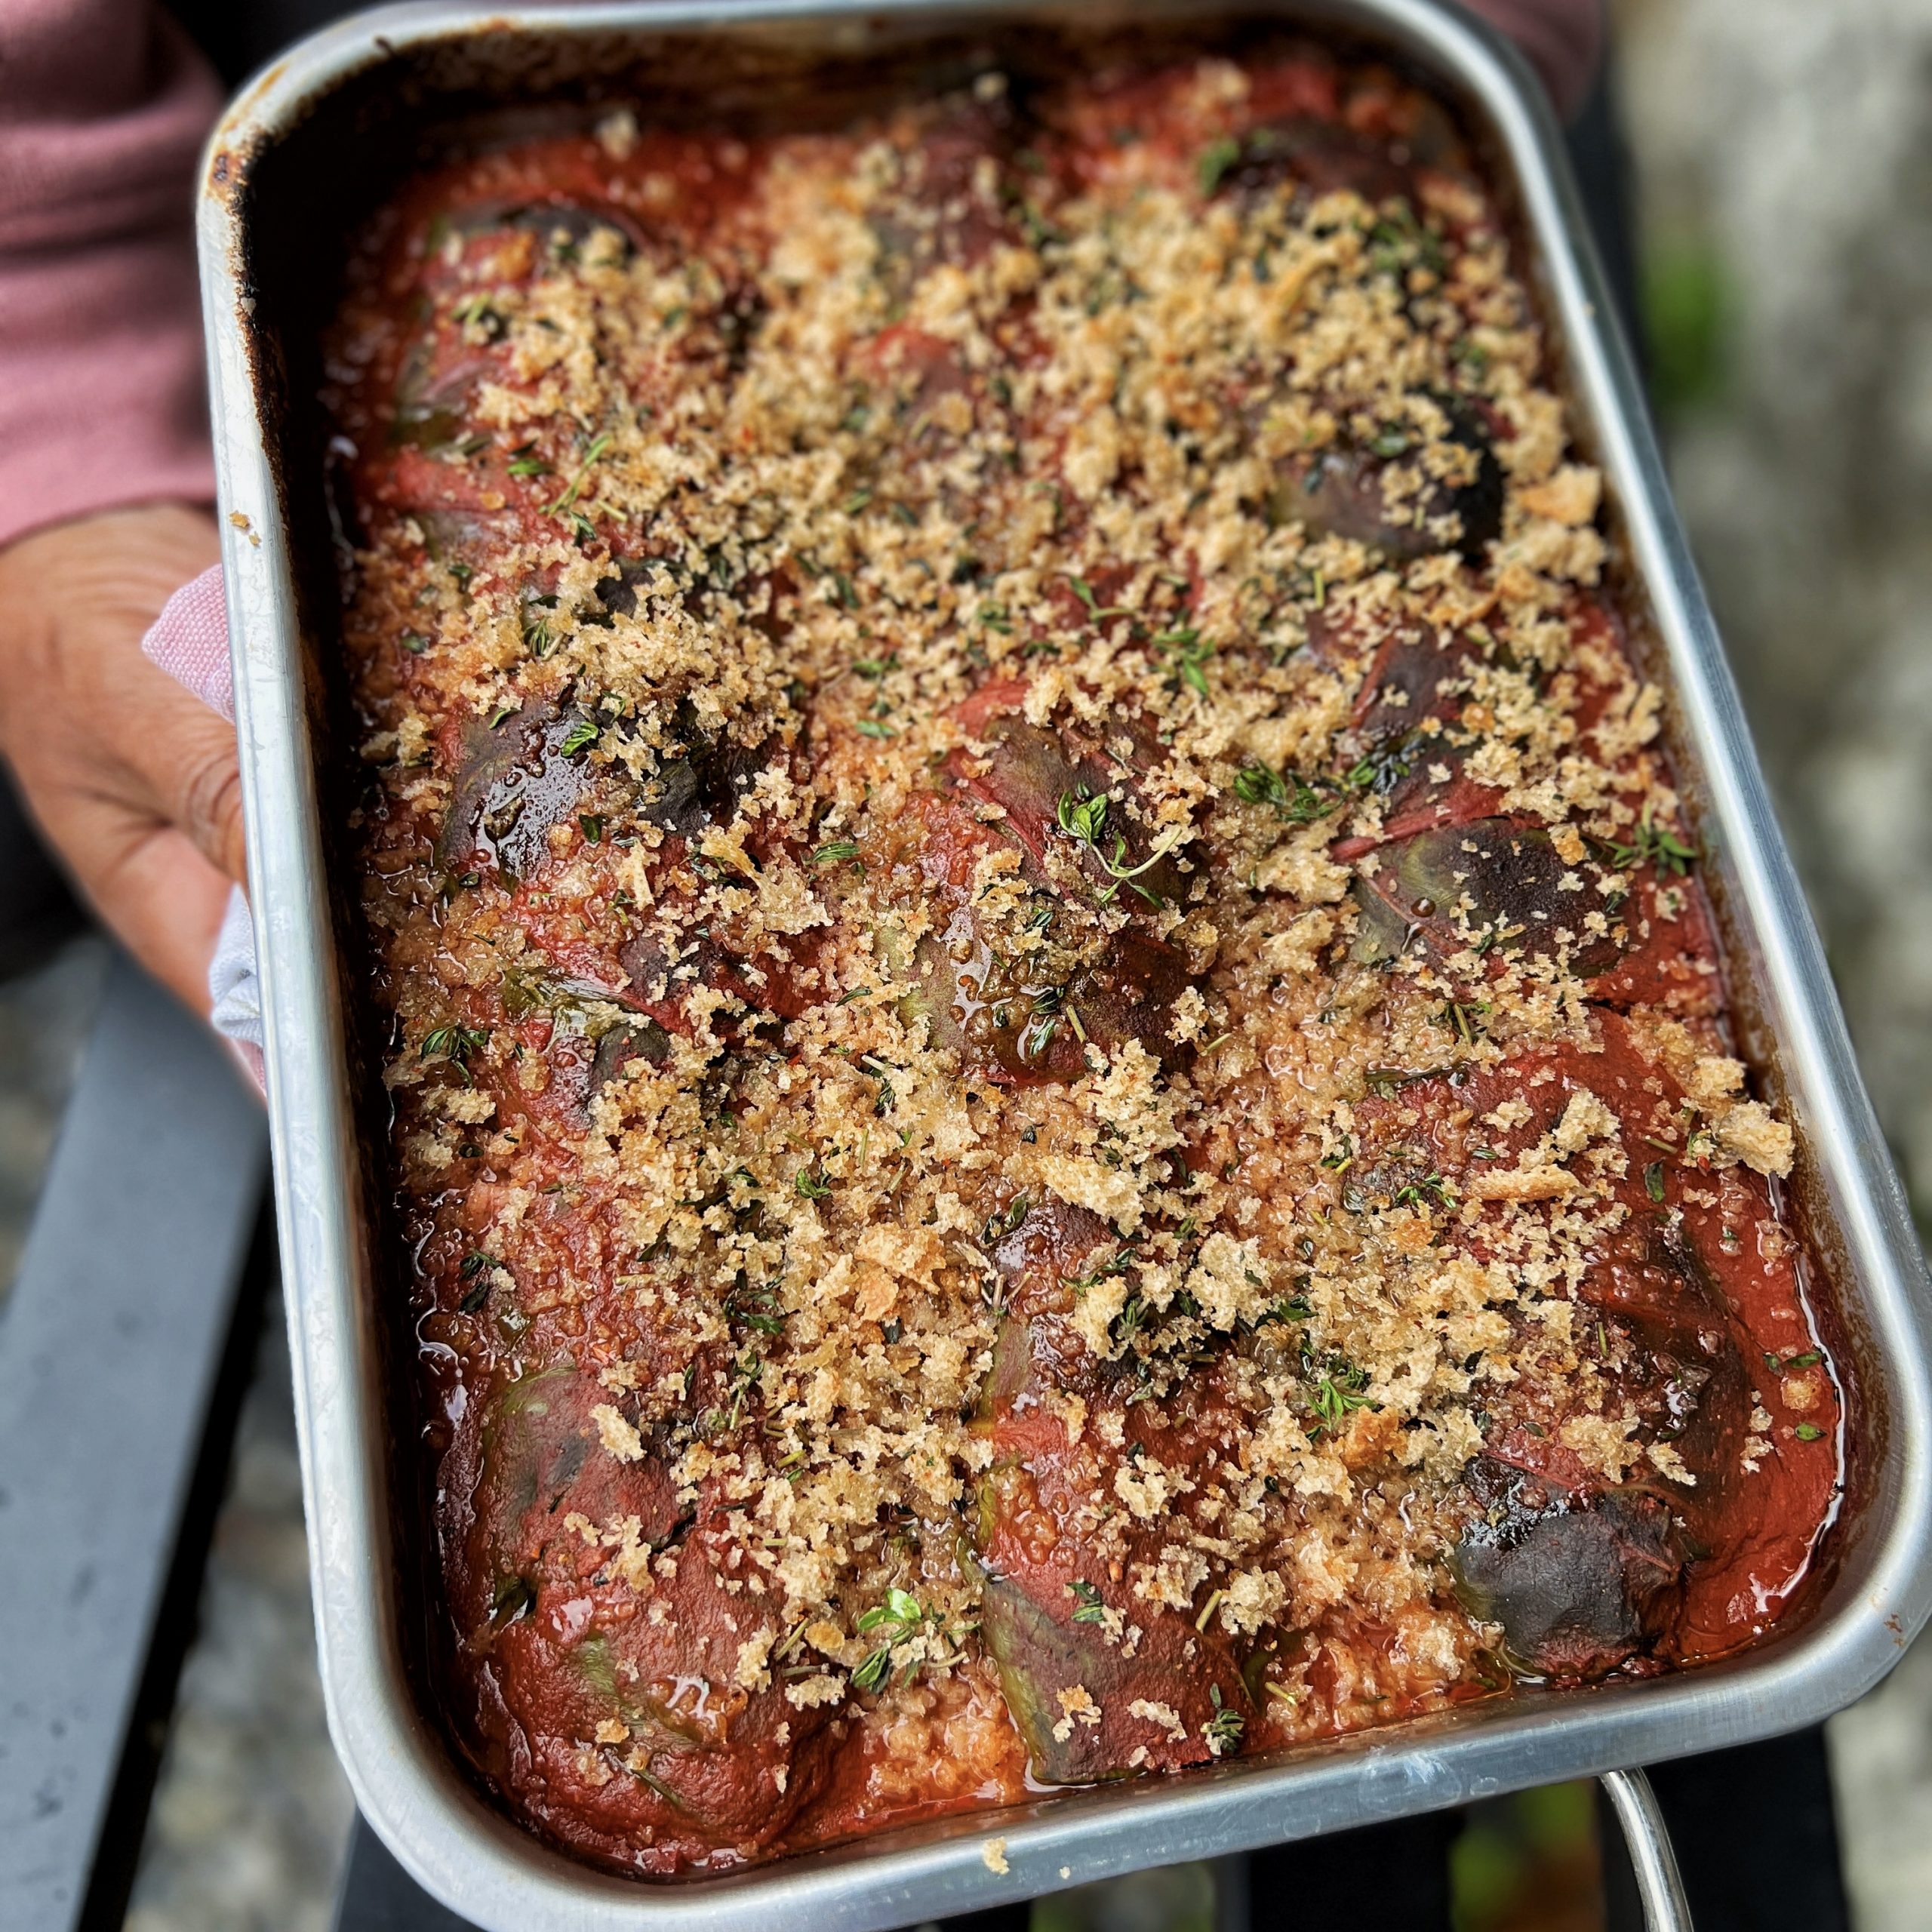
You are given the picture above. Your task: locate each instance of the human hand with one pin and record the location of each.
(133, 779)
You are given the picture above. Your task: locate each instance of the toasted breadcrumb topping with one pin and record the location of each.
(1051, 1011)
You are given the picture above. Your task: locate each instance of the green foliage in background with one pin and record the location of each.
(1177, 1898)
(1687, 314)
(1521, 1860)
(1525, 1863)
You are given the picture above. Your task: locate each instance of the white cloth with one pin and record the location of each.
(189, 641)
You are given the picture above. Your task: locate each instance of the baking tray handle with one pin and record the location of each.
(1646, 1838)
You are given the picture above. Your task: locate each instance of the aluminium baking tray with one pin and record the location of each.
(312, 144)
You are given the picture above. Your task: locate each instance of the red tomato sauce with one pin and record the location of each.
(1059, 1079)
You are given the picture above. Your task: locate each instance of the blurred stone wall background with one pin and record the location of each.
(1782, 154)
(1783, 157)
(1783, 168)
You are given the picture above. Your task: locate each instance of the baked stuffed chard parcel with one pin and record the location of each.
(1060, 1086)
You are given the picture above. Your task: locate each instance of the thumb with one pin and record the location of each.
(186, 757)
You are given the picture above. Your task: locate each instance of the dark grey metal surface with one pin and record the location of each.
(379, 1895)
(110, 1346)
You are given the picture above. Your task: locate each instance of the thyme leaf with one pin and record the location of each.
(1216, 159)
(1222, 1730)
(1656, 845)
(567, 495)
(1292, 798)
(1092, 1609)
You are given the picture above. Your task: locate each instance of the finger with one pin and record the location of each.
(125, 564)
(189, 768)
(129, 728)
(165, 902)
(166, 754)
(150, 885)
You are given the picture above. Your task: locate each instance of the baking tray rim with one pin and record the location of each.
(401, 1769)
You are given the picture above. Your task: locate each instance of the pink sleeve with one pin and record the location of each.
(103, 107)
(1564, 39)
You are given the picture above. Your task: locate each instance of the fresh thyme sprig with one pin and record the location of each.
(1190, 652)
(1339, 1391)
(1382, 768)
(1294, 799)
(1214, 161)
(454, 1043)
(567, 495)
(900, 1618)
(1097, 613)
(1083, 817)
(1657, 845)
(1092, 1608)
(1222, 1730)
